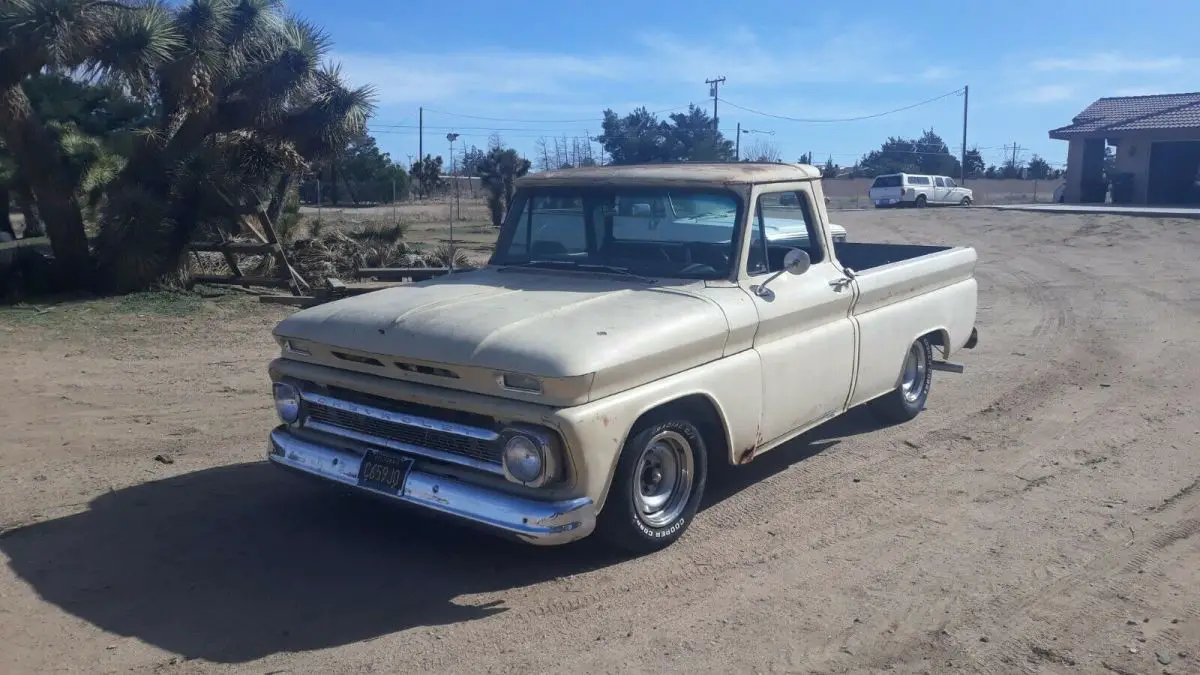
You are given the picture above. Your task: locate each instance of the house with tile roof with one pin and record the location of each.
(1157, 150)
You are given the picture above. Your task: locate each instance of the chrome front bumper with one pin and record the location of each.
(529, 520)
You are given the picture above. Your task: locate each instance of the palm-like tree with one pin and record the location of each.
(498, 171)
(244, 105)
(105, 38)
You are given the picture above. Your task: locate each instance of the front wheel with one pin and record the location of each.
(908, 399)
(966, 201)
(657, 487)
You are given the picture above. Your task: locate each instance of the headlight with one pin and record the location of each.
(287, 402)
(529, 458)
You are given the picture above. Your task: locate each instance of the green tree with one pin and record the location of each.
(370, 172)
(499, 170)
(117, 39)
(427, 175)
(976, 167)
(244, 106)
(830, 170)
(1038, 168)
(927, 154)
(641, 138)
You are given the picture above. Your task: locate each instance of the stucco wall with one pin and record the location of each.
(1133, 156)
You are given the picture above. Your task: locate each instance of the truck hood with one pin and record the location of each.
(544, 323)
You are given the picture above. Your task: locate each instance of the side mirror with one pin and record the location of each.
(641, 210)
(795, 262)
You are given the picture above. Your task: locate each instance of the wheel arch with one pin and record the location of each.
(938, 337)
(701, 407)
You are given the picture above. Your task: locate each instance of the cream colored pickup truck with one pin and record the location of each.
(636, 327)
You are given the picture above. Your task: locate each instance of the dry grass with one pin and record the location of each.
(336, 248)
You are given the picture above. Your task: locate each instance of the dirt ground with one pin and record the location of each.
(1042, 515)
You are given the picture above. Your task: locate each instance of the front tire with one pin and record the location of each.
(966, 201)
(907, 400)
(657, 487)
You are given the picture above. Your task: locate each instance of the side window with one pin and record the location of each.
(782, 221)
(939, 182)
(950, 183)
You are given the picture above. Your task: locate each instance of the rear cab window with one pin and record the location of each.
(887, 181)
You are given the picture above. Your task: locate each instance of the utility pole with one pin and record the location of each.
(453, 172)
(421, 134)
(737, 147)
(966, 96)
(714, 92)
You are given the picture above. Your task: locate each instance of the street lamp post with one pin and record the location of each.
(454, 174)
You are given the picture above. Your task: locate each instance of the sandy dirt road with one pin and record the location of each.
(1042, 515)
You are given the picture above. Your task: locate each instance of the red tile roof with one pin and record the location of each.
(1131, 113)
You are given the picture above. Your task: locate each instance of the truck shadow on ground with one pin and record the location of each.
(235, 563)
(726, 481)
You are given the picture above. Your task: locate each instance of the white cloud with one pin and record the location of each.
(1046, 93)
(1110, 64)
(411, 78)
(653, 63)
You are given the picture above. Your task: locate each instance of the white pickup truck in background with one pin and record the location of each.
(920, 190)
(635, 327)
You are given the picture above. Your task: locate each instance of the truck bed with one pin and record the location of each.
(864, 256)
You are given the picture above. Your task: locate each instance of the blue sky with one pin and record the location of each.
(549, 69)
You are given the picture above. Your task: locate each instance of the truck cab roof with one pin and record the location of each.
(674, 174)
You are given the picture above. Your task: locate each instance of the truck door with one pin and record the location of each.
(806, 336)
(941, 191)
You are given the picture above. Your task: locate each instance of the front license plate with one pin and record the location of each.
(384, 471)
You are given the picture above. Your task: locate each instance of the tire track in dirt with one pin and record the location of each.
(1018, 647)
(1122, 574)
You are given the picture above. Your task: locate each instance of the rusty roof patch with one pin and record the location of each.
(684, 173)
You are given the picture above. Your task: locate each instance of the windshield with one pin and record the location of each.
(688, 234)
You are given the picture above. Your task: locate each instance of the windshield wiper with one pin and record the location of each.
(584, 267)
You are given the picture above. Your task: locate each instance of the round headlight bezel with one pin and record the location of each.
(535, 443)
(288, 404)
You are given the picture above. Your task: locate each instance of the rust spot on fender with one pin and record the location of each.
(746, 456)
(604, 420)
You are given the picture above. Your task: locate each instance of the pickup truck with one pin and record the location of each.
(635, 328)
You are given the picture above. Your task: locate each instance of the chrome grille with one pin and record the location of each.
(393, 427)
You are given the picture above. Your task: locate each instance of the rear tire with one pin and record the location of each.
(657, 487)
(907, 400)
(921, 202)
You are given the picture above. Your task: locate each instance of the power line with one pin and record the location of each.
(514, 119)
(845, 119)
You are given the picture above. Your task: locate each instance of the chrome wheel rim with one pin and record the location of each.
(915, 367)
(663, 482)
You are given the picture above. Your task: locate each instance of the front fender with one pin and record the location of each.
(597, 431)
